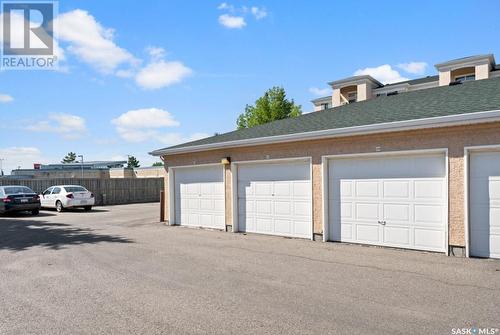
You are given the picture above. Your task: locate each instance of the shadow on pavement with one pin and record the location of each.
(19, 235)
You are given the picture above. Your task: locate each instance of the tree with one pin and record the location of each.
(69, 158)
(158, 164)
(133, 162)
(273, 105)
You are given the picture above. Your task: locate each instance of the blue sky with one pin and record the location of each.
(141, 75)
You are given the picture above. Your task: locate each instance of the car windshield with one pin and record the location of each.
(17, 190)
(74, 189)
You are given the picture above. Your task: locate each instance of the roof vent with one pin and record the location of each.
(456, 82)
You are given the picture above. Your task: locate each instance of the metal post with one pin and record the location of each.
(82, 164)
(162, 206)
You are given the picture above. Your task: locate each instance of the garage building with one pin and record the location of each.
(412, 165)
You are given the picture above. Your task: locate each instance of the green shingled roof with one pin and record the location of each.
(469, 97)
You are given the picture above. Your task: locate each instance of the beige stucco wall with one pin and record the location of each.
(336, 97)
(150, 172)
(453, 138)
(364, 92)
(482, 71)
(444, 78)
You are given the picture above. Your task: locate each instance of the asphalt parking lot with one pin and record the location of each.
(117, 270)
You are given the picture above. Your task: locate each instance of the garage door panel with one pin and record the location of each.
(399, 189)
(403, 193)
(282, 189)
(302, 228)
(276, 203)
(206, 204)
(346, 187)
(282, 208)
(367, 233)
(396, 212)
(263, 207)
(429, 239)
(263, 189)
(263, 224)
(344, 232)
(397, 235)
(367, 211)
(283, 226)
(429, 214)
(429, 189)
(193, 203)
(302, 189)
(366, 189)
(302, 208)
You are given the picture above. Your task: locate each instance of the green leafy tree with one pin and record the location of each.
(273, 105)
(69, 158)
(158, 164)
(133, 162)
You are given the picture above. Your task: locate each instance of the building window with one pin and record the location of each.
(467, 77)
(325, 106)
(352, 97)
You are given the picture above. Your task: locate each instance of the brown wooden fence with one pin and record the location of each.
(107, 191)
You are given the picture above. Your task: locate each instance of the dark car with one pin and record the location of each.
(18, 199)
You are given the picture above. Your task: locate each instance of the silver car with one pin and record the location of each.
(67, 196)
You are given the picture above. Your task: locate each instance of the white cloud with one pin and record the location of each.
(320, 91)
(91, 42)
(226, 6)
(24, 157)
(413, 67)
(70, 127)
(4, 98)
(383, 73)
(146, 118)
(161, 73)
(156, 53)
(259, 13)
(232, 22)
(148, 125)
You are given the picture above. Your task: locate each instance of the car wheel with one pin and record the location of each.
(35, 212)
(59, 206)
(87, 208)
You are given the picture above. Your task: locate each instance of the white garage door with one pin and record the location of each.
(484, 204)
(275, 198)
(199, 196)
(397, 201)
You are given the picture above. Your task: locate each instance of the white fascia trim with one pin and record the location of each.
(433, 122)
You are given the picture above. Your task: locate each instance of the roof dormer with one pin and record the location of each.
(353, 89)
(464, 69)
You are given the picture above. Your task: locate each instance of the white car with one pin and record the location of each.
(67, 196)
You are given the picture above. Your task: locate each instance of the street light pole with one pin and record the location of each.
(82, 163)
